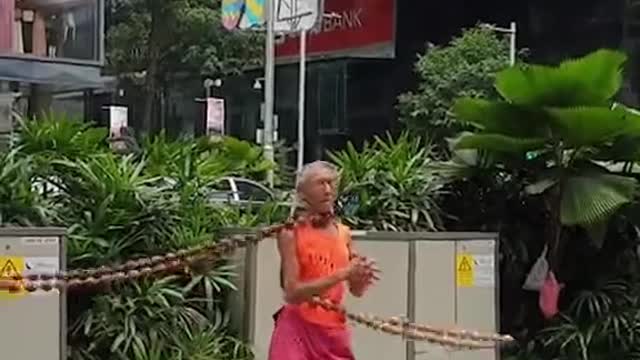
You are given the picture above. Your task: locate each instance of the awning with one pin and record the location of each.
(59, 76)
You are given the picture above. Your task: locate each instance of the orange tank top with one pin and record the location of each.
(320, 255)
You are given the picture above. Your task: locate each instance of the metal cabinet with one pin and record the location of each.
(444, 279)
(38, 317)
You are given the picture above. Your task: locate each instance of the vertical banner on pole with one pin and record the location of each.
(215, 116)
(118, 120)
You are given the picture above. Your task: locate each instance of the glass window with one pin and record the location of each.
(251, 192)
(331, 106)
(60, 29)
(221, 190)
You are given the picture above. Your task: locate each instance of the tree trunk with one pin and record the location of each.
(151, 78)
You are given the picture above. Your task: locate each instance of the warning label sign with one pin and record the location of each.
(464, 270)
(10, 268)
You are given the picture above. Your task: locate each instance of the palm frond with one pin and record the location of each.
(587, 81)
(591, 198)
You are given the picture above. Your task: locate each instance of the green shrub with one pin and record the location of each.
(392, 184)
(118, 207)
(466, 66)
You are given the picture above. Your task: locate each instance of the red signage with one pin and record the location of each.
(359, 28)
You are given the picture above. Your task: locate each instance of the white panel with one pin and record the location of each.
(268, 295)
(435, 292)
(236, 299)
(386, 298)
(39, 316)
(476, 305)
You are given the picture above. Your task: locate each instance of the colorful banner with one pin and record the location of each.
(254, 12)
(358, 28)
(231, 13)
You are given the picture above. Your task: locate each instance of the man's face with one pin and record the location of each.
(320, 190)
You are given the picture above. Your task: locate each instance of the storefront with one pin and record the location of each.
(49, 48)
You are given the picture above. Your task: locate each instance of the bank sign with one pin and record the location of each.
(350, 28)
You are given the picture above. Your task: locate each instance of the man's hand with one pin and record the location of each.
(363, 274)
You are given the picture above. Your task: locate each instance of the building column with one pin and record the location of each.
(39, 101)
(6, 118)
(88, 106)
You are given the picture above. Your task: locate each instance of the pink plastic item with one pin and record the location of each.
(549, 295)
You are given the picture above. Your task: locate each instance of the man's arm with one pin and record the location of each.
(296, 291)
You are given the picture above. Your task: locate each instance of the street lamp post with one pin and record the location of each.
(512, 31)
(269, 82)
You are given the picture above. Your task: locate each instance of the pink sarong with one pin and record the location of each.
(297, 339)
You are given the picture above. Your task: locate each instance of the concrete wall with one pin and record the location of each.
(444, 279)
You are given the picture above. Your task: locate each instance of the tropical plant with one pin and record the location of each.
(551, 125)
(20, 203)
(60, 136)
(113, 210)
(391, 183)
(158, 320)
(205, 159)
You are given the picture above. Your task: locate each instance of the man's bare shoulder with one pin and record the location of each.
(345, 229)
(286, 235)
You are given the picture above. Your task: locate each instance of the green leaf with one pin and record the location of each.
(501, 117)
(582, 126)
(592, 197)
(499, 143)
(591, 80)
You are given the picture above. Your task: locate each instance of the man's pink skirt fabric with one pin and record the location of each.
(297, 339)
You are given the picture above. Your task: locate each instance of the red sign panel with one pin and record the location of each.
(349, 28)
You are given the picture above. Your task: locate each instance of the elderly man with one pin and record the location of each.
(317, 260)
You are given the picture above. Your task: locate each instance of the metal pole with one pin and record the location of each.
(269, 77)
(512, 45)
(301, 97)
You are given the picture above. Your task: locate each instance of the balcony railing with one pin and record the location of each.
(56, 30)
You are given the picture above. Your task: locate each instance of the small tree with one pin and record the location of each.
(465, 67)
(160, 39)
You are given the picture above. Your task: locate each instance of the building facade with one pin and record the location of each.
(48, 50)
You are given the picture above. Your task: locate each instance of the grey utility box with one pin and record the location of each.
(443, 279)
(33, 324)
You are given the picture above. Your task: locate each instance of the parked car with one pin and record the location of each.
(230, 190)
(241, 191)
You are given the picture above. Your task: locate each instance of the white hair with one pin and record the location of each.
(305, 174)
(309, 169)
